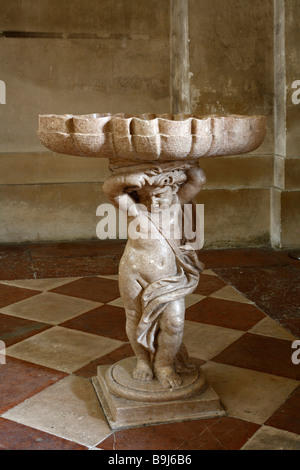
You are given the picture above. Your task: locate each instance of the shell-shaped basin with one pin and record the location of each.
(151, 137)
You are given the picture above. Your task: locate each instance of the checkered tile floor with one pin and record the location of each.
(58, 330)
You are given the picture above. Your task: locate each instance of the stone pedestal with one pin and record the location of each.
(150, 403)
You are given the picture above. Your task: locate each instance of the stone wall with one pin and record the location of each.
(231, 67)
(238, 56)
(285, 194)
(78, 57)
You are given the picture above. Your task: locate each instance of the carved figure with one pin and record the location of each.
(157, 270)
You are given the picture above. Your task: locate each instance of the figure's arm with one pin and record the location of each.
(117, 189)
(195, 180)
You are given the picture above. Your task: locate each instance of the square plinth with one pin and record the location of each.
(123, 413)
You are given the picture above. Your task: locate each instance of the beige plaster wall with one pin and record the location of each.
(290, 203)
(285, 202)
(86, 56)
(79, 56)
(231, 70)
(61, 56)
(231, 59)
(292, 46)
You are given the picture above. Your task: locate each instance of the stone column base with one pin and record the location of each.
(128, 403)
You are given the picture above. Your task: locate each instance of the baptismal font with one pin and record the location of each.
(155, 175)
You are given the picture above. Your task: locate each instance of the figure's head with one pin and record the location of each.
(156, 198)
(160, 192)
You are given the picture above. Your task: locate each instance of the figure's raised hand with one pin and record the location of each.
(135, 181)
(196, 175)
(195, 181)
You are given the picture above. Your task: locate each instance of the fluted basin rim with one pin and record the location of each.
(151, 137)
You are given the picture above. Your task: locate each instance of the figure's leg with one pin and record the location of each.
(168, 343)
(143, 369)
(130, 290)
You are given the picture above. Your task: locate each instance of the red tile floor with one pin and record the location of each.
(61, 316)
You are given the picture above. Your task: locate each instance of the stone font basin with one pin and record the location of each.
(127, 139)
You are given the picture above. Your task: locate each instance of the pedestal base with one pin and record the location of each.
(193, 400)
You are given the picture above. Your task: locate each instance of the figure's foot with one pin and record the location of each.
(143, 371)
(168, 377)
